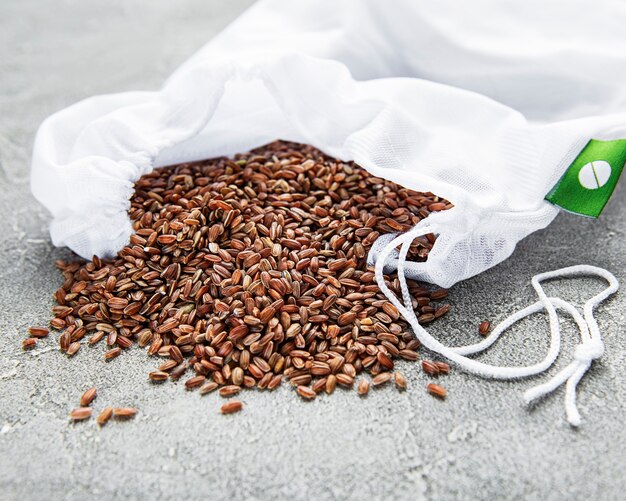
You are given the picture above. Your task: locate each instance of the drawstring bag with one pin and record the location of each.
(507, 110)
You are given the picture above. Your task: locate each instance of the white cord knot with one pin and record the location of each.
(589, 350)
(591, 346)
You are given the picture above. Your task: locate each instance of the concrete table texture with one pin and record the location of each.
(481, 443)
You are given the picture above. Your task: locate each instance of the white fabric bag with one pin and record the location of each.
(483, 103)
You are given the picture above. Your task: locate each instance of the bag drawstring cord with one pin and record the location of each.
(590, 348)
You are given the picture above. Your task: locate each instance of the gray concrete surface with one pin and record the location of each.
(479, 444)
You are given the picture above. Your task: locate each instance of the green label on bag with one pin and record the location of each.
(588, 183)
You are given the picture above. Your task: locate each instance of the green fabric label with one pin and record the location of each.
(588, 183)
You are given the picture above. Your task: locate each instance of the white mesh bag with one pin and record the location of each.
(484, 103)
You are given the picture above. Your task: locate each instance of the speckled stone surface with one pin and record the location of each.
(481, 443)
